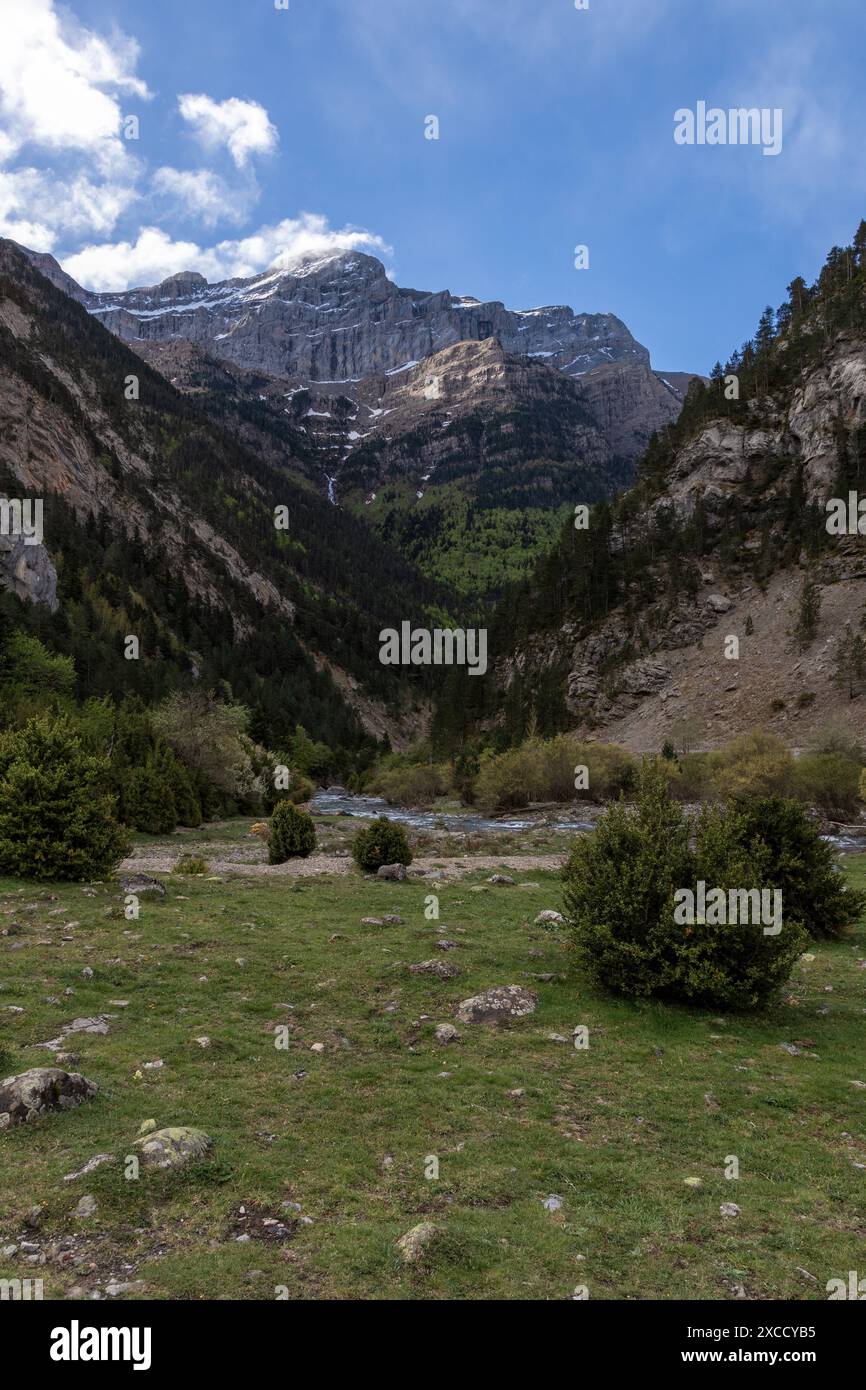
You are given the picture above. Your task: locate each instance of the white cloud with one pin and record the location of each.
(242, 126)
(53, 80)
(35, 207)
(155, 255)
(203, 195)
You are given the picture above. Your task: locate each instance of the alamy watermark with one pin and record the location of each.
(22, 517)
(846, 517)
(721, 907)
(739, 125)
(421, 646)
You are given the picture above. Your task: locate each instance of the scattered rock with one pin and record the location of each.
(414, 1244)
(503, 879)
(718, 603)
(372, 922)
(97, 1024)
(497, 1005)
(317, 1047)
(442, 969)
(86, 1207)
(203, 1041)
(173, 1147)
(447, 945)
(549, 916)
(87, 973)
(552, 1203)
(33, 1093)
(142, 885)
(91, 1164)
(729, 1209)
(392, 871)
(257, 1223)
(393, 919)
(446, 1033)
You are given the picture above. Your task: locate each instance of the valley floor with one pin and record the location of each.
(630, 1136)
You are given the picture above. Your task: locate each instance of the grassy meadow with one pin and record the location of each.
(632, 1134)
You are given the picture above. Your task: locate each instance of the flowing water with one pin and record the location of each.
(332, 803)
(336, 803)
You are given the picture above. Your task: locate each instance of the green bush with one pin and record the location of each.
(416, 785)
(292, 833)
(57, 816)
(755, 764)
(383, 842)
(190, 864)
(619, 889)
(829, 781)
(147, 799)
(735, 964)
(621, 886)
(801, 864)
(299, 790)
(186, 802)
(544, 770)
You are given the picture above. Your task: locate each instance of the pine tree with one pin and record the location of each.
(808, 613)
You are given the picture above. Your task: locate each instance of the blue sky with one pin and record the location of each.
(265, 131)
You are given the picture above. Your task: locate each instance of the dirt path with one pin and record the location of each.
(333, 864)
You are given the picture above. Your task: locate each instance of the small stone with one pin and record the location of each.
(397, 872)
(729, 1209)
(415, 1243)
(147, 1127)
(505, 880)
(87, 973)
(317, 1047)
(446, 1033)
(143, 886)
(91, 1164)
(86, 1206)
(203, 1041)
(552, 1203)
(442, 969)
(372, 922)
(549, 916)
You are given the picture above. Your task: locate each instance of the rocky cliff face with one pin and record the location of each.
(658, 665)
(339, 319)
(337, 324)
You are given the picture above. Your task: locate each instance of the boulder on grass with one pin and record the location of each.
(395, 871)
(33, 1093)
(173, 1147)
(143, 886)
(442, 969)
(497, 1005)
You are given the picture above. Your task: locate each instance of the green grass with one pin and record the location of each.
(614, 1130)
